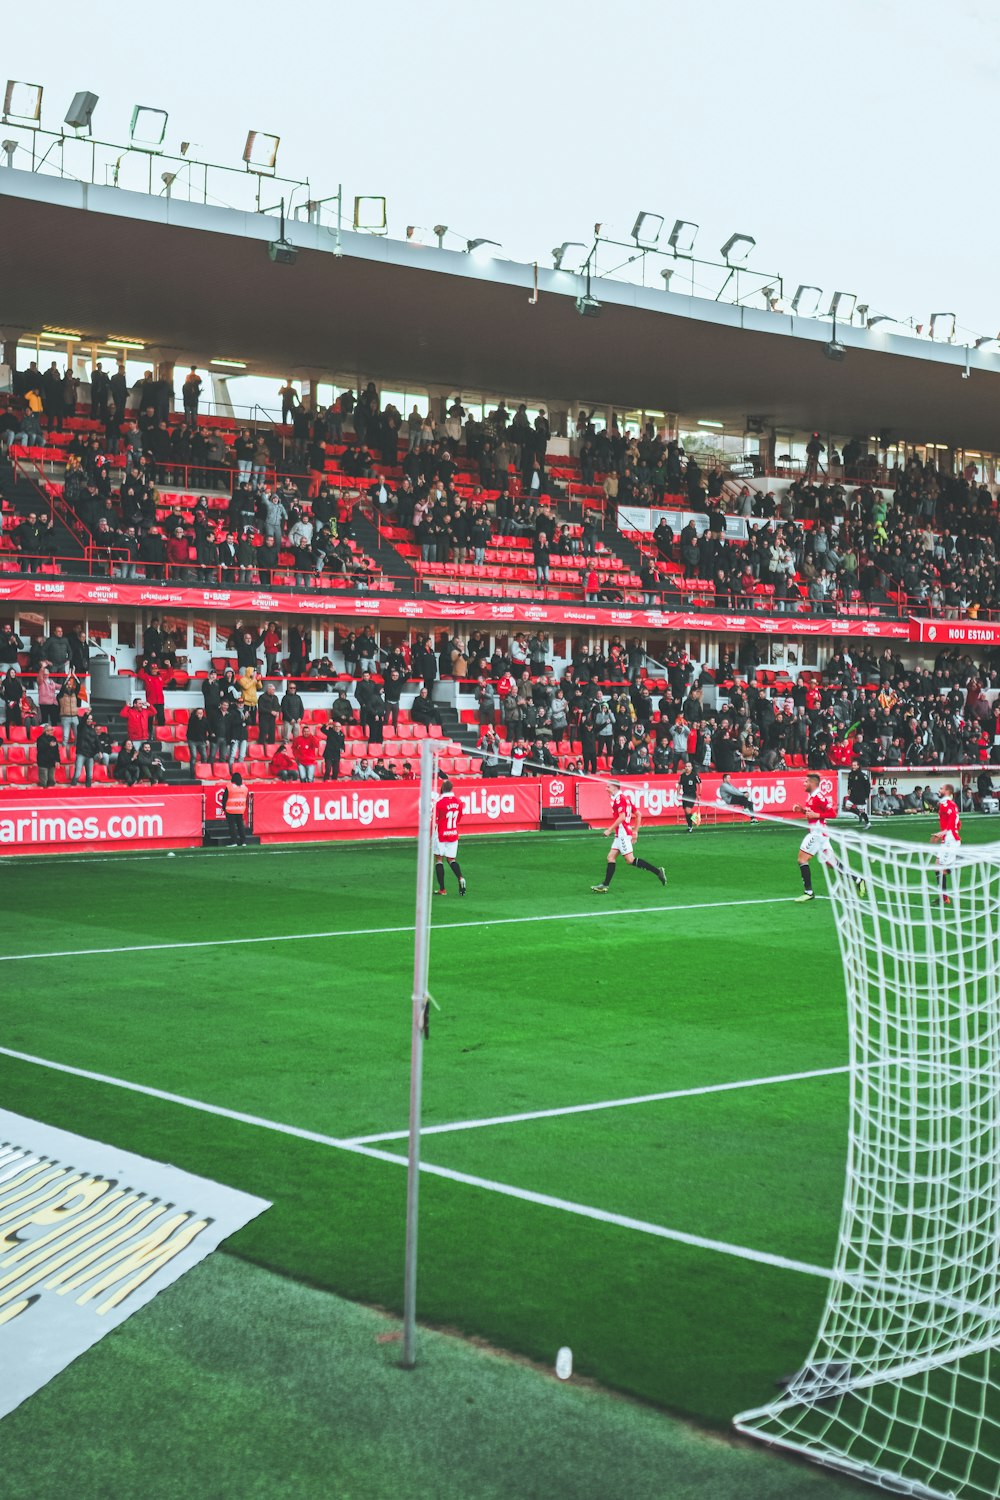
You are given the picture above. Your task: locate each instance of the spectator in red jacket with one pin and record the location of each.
(178, 555)
(153, 684)
(137, 716)
(305, 748)
(284, 765)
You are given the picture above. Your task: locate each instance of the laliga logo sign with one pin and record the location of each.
(295, 811)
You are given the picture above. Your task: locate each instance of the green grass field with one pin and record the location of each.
(674, 1244)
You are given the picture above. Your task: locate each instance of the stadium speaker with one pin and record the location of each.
(835, 350)
(81, 111)
(282, 252)
(588, 307)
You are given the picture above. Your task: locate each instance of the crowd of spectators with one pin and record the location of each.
(932, 545)
(866, 707)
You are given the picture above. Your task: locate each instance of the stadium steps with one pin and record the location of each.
(216, 834)
(25, 496)
(391, 562)
(619, 544)
(561, 819)
(466, 735)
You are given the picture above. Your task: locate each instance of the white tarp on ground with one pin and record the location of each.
(89, 1234)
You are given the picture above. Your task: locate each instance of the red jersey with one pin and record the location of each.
(623, 807)
(447, 818)
(818, 809)
(948, 818)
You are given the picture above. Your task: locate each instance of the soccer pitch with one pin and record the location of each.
(635, 1105)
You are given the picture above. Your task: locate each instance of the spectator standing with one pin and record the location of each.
(87, 747)
(293, 711)
(69, 707)
(47, 755)
(306, 752)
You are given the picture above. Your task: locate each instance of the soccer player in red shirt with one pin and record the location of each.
(949, 836)
(624, 831)
(448, 812)
(817, 809)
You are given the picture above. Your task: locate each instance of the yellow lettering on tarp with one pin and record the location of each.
(8, 1314)
(77, 1273)
(24, 1277)
(99, 1204)
(60, 1245)
(147, 1257)
(55, 1180)
(86, 1191)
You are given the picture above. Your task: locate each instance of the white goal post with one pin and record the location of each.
(902, 1385)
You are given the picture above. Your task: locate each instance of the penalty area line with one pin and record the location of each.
(486, 1184)
(348, 932)
(583, 1109)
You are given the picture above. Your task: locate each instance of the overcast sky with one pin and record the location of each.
(854, 141)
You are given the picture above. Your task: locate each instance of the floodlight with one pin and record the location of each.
(736, 250)
(22, 102)
(81, 111)
(440, 230)
(881, 318)
(559, 253)
(682, 236)
(806, 300)
(148, 127)
(666, 273)
(8, 148)
(471, 246)
(261, 152)
(943, 321)
(842, 305)
(981, 343)
(646, 229)
(588, 306)
(369, 215)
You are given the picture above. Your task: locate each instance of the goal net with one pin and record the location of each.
(902, 1386)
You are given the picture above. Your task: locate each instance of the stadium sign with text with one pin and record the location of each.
(516, 612)
(386, 809)
(943, 633)
(32, 823)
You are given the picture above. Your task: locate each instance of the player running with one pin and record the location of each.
(817, 839)
(624, 831)
(448, 813)
(689, 782)
(949, 836)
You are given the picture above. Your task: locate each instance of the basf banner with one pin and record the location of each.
(40, 824)
(659, 798)
(382, 809)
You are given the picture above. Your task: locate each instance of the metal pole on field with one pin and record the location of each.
(421, 1000)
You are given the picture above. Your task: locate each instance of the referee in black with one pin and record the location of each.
(690, 781)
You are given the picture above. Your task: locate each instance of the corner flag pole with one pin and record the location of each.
(421, 1000)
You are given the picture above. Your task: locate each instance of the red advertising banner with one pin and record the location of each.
(659, 797)
(955, 632)
(397, 607)
(68, 824)
(382, 809)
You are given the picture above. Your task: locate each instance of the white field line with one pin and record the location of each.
(505, 1189)
(583, 1109)
(307, 937)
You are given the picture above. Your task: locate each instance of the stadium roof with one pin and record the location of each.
(194, 282)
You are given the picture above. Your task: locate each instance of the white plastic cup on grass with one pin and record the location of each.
(564, 1363)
